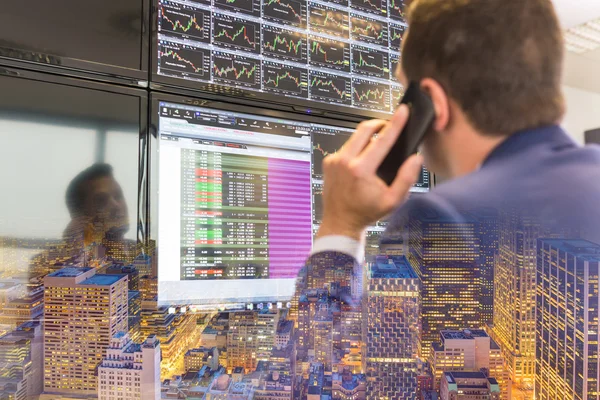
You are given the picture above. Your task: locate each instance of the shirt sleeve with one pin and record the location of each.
(340, 244)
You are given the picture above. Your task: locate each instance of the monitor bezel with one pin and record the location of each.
(249, 97)
(88, 69)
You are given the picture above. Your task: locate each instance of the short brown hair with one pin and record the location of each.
(499, 60)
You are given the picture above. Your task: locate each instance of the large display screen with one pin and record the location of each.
(86, 35)
(238, 202)
(341, 53)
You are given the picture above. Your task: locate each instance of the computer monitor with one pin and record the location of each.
(108, 39)
(238, 201)
(316, 55)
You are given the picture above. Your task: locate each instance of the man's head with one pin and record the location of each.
(95, 195)
(492, 67)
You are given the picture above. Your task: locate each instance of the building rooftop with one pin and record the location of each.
(69, 272)
(451, 377)
(464, 334)
(285, 327)
(578, 247)
(390, 268)
(103, 280)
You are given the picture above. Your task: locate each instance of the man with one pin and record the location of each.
(493, 71)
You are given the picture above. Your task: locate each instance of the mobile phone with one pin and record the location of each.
(420, 119)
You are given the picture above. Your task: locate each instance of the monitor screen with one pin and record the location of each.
(339, 53)
(238, 202)
(87, 35)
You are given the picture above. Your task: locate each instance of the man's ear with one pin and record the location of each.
(440, 101)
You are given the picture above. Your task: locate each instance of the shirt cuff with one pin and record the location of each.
(340, 244)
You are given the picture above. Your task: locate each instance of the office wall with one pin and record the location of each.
(583, 112)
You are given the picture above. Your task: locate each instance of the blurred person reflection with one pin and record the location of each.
(97, 207)
(95, 236)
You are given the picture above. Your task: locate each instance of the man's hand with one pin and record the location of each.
(354, 197)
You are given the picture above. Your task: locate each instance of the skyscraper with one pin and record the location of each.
(130, 370)
(514, 296)
(487, 233)
(21, 364)
(82, 311)
(567, 359)
(251, 338)
(176, 332)
(391, 318)
(445, 254)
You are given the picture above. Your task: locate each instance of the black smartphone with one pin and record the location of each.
(422, 115)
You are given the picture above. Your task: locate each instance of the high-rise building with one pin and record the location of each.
(285, 333)
(444, 253)
(250, 338)
(468, 386)
(391, 318)
(26, 307)
(468, 351)
(133, 275)
(134, 314)
(130, 370)
(176, 332)
(514, 297)
(21, 362)
(315, 382)
(82, 311)
(567, 359)
(487, 233)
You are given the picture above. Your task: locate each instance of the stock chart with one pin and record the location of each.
(286, 11)
(324, 144)
(340, 52)
(372, 95)
(396, 34)
(238, 70)
(369, 30)
(251, 7)
(186, 20)
(284, 43)
(397, 8)
(328, 87)
(370, 62)
(373, 6)
(285, 79)
(329, 53)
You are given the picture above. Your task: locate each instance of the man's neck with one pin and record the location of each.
(471, 156)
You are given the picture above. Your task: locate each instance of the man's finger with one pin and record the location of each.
(378, 149)
(361, 137)
(407, 175)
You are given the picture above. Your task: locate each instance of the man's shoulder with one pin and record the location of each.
(549, 183)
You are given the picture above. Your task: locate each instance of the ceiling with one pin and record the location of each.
(581, 70)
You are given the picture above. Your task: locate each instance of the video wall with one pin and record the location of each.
(342, 53)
